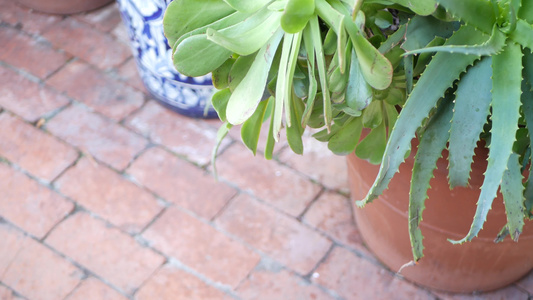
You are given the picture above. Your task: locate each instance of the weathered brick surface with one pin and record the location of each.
(103, 19)
(33, 270)
(92, 288)
(188, 137)
(7, 294)
(281, 237)
(105, 251)
(171, 283)
(28, 20)
(26, 98)
(332, 214)
(23, 51)
(97, 90)
(267, 285)
(180, 182)
(130, 75)
(208, 251)
(91, 133)
(353, 277)
(268, 180)
(510, 292)
(109, 195)
(65, 35)
(35, 151)
(29, 205)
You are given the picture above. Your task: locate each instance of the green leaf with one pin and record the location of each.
(432, 142)
(478, 13)
(198, 48)
(295, 130)
(512, 191)
(220, 76)
(313, 85)
(506, 91)
(270, 143)
(220, 103)
(296, 15)
(187, 15)
(251, 129)
(248, 36)
(239, 70)
(420, 7)
(493, 45)
(344, 141)
(523, 34)
(247, 5)
(358, 92)
(440, 74)
(422, 30)
(527, 108)
(282, 84)
(472, 106)
(221, 134)
(249, 92)
(526, 11)
(372, 147)
(373, 115)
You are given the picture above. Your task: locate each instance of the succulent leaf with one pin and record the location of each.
(478, 13)
(247, 5)
(513, 196)
(420, 7)
(523, 34)
(344, 141)
(527, 109)
(432, 142)
(472, 106)
(506, 92)
(251, 129)
(198, 48)
(440, 74)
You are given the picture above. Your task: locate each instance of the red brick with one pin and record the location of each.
(28, 205)
(129, 73)
(281, 237)
(268, 180)
(332, 214)
(95, 47)
(103, 19)
(120, 32)
(28, 99)
(35, 151)
(180, 182)
(33, 270)
(332, 173)
(170, 283)
(92, 288)
(7, 294)
(107, 252)
(106, 141)
(188, 137)
(25, 52)
(510, 292)
(353, 277)
(97, 90)
(109, 195)
(29, 20)
(201, 247)
(265, 285)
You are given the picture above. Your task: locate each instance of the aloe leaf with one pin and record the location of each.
(221, 134)
(247, 5)
(506, 91)
(251, 129)
(376, 69)
(527, 108)
(220, 103)
(432, 142)
(440, 74)
(344, 141)
(528, 65)
(425, 58)
(472, 106)
(493, 45)
(372, 147)
(408, 67)
(249, 92)
(421, 31)
(358, 92)
(198, 48)
(244, 39)
(321, 66)
(526, 11)
(186, 15)
(296, 15)
(478, 13)
(512, 191)
(420, 7)
(523, 34)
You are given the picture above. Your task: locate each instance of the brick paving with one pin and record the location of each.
(105, 194)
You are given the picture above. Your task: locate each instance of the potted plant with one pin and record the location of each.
(459, 71)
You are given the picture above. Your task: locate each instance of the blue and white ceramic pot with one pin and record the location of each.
(186, 95)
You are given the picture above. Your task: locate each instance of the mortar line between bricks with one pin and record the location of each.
(146, 100)
(155, 219)
(308, 207)
(70, 166)
(224, 208)
(15, 293)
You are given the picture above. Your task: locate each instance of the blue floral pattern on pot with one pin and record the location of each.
(186, 95)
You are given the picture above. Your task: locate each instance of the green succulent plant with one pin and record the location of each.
(459, 71)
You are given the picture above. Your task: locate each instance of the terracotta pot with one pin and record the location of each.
(479, 265)
(64, 6)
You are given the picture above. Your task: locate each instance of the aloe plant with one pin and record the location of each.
(460, 70)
